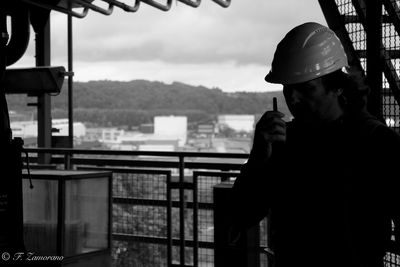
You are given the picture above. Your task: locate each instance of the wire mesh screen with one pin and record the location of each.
(390, 46)
(134, 253)
(391, 260)
(205, 183)
(354, 29)
(139, 219)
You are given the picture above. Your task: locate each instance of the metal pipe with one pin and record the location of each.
(98, 9)
(124, 6)
(195, 3)
(20, 32)
(223, 3)
(70, 85)
(158, 5)
(59, 9)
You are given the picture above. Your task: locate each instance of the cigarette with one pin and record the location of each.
(275, 104)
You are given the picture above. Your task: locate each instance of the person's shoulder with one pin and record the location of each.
(371, 127)
(364, 121)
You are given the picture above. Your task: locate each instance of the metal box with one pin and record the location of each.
(68, 214)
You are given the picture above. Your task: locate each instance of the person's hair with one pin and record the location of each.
(354, 86)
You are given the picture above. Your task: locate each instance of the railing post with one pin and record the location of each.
(246, 251)
(182, 207)
(67, 161)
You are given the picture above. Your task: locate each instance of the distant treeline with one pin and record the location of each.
(114, 103)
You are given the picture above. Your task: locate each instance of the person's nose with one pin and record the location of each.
(292, 96)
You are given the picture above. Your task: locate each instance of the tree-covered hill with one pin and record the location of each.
(132, 103)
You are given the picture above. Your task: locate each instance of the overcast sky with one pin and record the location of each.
(229, 48)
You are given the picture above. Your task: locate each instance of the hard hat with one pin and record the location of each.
(308, 51)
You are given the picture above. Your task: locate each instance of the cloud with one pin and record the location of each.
(247, 32)
(227, 48)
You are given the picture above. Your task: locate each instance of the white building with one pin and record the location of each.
(26, 129)
(239, 123)
(62, 126)
(104, 134)
(171, 127)
(141, 141)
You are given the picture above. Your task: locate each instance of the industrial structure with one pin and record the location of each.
(176, 212)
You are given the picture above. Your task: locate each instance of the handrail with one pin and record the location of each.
(98, 9)
(195, 3)
(124, 6)
(137, 153)
(59, 9)
(158, 5)
(223, 3)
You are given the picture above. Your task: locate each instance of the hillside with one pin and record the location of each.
(115, 103)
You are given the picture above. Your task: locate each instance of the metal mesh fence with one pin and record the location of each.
(391, 45)
(205, 183)
(391, 260)
(139, 219)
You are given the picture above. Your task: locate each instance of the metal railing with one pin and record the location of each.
(162, 201)
(163, 209)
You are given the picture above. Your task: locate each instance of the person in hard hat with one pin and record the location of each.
(324, 178)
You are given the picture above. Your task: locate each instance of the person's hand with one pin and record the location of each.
(271, 128)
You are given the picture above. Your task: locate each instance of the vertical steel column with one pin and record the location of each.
(195, 222)
(169, 221)
(70, 85)
(374, 55)
(44, 100)
(182, 207)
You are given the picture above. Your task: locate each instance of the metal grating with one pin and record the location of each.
(353, 16)
(205, 183)
(391, 43)
(140, 219)
(390, 50)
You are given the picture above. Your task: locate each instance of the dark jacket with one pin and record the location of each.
(329, 191)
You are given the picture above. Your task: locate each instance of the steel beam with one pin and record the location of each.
(374, 53)
(44, 100)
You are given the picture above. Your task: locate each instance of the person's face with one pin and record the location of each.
(312, 102)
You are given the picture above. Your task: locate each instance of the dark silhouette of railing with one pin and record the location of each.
(162, 201)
